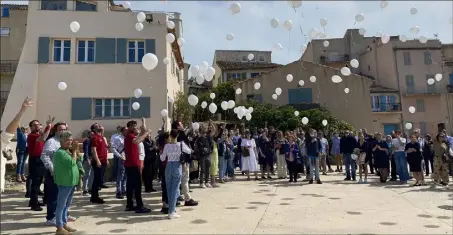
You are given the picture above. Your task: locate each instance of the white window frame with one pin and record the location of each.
(112, 108)
(136, 50)
(375, 103)
(86, 51)
(5, 31)
(61, 51)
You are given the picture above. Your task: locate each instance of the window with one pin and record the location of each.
(410, 84)
(85, 51)
(5, 12)
(261, 58)
(428, 59)
(107, 108)
(173, 65)
(450, 79)
(407, 58)
(375, 103)
(56, 5)
(136, 49)
(253, 58)
(423, 128)
(85, 6)
(420, 105)
(4, 31)
(254, 74)
(61, 50)
(235, 75)
(244, 58)
(430, 88)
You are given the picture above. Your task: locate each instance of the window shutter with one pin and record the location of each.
(150, 46)
(244, 75)
(451, 78)
(145, 107)
(383, 102)
(43, 50)
(300, 95)
(81, 109)
(105, 50)
(121, 50)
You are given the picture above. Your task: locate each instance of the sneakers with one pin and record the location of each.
(318, 182)
(191, 202)
(365, 181)
(180, 198)
(360, 181)
(208, 185)
(97, 201)
(51, 222)
(142, 210)
(173, 216)
(85, 193)
(119, 196)
(62, 231)
(164, 210)
(71, 219)
(202, 185)
(310, 182)
(69, 229)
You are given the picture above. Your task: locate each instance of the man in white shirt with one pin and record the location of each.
(117, 147)
(115, 157)
(398, 145)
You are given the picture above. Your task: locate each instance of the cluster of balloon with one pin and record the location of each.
(141, 17)
(241, 112)
(437, 77)
(202, 72)
(225, 105)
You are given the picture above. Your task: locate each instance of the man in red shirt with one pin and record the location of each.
(98, 162)
(36, 169)
(133, 166)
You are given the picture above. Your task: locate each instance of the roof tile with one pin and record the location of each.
(233, 65)
(15, 6)
(381, 89)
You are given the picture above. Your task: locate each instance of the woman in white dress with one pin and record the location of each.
(249, 156)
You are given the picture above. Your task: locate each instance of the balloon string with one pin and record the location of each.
(289, 41)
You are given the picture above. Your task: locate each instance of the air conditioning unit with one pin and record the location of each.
(149, 18)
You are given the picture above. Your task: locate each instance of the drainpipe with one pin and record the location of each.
(447, 98)
(399, 89)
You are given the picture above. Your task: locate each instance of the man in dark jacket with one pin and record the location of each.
(204, 150)
(347, 146)
(150, 164)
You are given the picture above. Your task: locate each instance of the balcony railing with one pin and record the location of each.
(4, 96)
(8, 66)
(334, 58)
(387, 107)
(431, 90)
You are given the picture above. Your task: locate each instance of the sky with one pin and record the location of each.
(206, 23)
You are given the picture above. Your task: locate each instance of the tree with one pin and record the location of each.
(223, 92)
(182, 109)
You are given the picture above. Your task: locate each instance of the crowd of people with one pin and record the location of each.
(208, 156)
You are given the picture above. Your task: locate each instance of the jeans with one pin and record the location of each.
(64, 200)
(121, 177)
(21, 159)
(292, 167)
(429, 162)
(306, 161)
(133, 187)
(350, 165)
(222, 167)
(88, 177)
(401, 165)
(205, 165)
(36, 171)
(281, 166)
(51, 195)
(173, 173)
(314, 167)
(185, 181)
(393, 167)
(230, 167)
(97, 179)
(115, 170)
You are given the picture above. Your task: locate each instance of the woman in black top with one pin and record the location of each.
(381, 159)
(428, 154)
(362, 145)
(414, 158)
(150, 164)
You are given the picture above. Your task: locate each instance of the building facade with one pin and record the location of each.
(101, 65)
(447, 63)
(13, 26)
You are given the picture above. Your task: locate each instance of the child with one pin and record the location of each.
(291, 153)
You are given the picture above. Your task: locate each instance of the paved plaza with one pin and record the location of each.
(267, 207)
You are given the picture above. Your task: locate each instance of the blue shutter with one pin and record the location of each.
(145, 107)
(394, 106)
(43, 50)
(5, 12)
(451, 78)
(300, 95)
(150, 46)
(121, 50)
(81, 109)
(105, 50)
(384, 104)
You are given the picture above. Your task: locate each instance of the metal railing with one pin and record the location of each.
(422, 91)
(4, 95)
(8, 66)
(386, 107)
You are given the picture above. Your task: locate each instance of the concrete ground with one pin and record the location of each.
(266, 207)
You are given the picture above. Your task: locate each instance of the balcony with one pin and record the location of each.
(4, 96)
(333, 59)
(8, 66)
(386, 108)
(430, 90)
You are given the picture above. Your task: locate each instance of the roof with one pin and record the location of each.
(15, 6)
(233, 65)
(381, 89)
(243, 51)
(176, 50)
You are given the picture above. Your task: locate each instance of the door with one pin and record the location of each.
(388, 128)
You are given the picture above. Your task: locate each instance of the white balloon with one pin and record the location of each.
(203, 67)
(199, 79)
(423, 39)
(346, 90)
(415, 29)
(289, 77)
(195, 70)
(149, 61)
(238, 91)
(193, 100)
(208, 79)
(62, 86)
(301, 82)
(235, 8)
(210, 72)
(336, 79)
(224, 105)
(141, 17)
(195, 126)
(322, 34)
(312, 79)
(138, 92)
(230, 36)
(170, 24)
(354, 63)
(412, 109)
(241, 111)
(313, 33)
(385, 38)
(305, 120)
(74, 26)
(379, 34)
(278, 46)
(362, 31)
(166, 60)
(248, 116)
(135, 106)
(324, 122)
(257, 85)
(326, 43)
(139, 26)
(296, 113)
(359, 17)
(323, 22)
(239, 116)
(288, 24)
(127, 5)
(171, 100)
(403, 38)
(181, 42)
(414, 10)
(164, 113)
(274, 96)
(204, 104)
(295, 4)
(345, 71)
(236, 110)
(231, 104)
(431, 81)
(438, 77)
(384, 4)
(170, 38)
(250, 109)
(274, 23)
(212, 96)
(408, 126)
(251, 56)
(278, 91)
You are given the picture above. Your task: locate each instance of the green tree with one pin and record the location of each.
(182, 109)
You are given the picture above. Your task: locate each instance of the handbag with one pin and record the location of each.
(8, 154)
(246, 153)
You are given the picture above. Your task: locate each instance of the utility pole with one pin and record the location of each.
(436, 36)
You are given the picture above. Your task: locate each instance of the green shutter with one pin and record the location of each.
(105, 50)
(121, 50)
(145, 107)
(81, 109)
(43, 50)
(300, 95)
(150, 46)
(244, 75)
